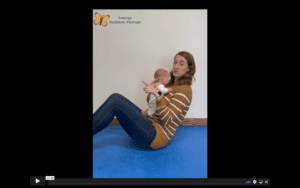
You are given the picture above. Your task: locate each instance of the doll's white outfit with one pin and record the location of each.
(152, 100)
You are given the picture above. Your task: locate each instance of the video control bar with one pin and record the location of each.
(158, 182)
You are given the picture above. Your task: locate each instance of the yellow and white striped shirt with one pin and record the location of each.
(170, 112)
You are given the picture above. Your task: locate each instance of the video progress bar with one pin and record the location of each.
(140, 182)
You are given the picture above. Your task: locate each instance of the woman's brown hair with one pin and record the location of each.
(187, 78)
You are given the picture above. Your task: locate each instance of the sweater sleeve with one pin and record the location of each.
(175, 108)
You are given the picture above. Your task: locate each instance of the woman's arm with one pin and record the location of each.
(155, 92)
(164, 91)
(174, 109)
(158, 97)
(150, 89)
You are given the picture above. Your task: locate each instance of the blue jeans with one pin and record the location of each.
(135, 124)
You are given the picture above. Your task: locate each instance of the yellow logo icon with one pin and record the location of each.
(102, 20)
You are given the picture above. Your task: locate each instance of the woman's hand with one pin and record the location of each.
(155, 83)
(149, 88)
(145, 112)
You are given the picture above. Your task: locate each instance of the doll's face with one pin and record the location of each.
(155, 84)
(164, 82)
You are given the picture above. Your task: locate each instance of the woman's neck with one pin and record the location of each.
(176, 82)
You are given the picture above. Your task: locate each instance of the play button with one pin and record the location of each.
(37, 181)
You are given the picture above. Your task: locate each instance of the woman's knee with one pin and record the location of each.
(115, 95)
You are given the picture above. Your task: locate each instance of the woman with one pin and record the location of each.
(155, 131)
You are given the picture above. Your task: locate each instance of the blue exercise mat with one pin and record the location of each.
(115, 155)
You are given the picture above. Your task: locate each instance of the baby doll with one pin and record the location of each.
(162, 77)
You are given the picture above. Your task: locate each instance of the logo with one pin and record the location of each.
(101, 20)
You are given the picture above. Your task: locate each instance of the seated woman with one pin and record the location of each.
(155, 131)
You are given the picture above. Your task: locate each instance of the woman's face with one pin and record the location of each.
(180, 66)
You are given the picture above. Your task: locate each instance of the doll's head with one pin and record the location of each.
(163, 77)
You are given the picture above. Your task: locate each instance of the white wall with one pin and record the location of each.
(126, 54)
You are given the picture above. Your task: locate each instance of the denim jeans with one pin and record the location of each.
(135, 124)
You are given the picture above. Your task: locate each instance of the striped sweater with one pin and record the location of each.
(170, 112)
